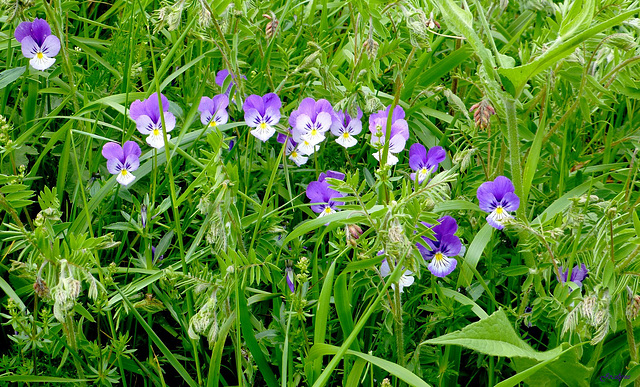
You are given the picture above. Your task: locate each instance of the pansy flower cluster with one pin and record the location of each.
(498, 198)
(320, 193)
(440, 252)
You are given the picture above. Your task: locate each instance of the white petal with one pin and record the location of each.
(391, 158)
(313, 138)
(305, 148)
(347, 141)
(42, 63)
(263, 134)
(156, 141)
(125, 177)
(298, 159)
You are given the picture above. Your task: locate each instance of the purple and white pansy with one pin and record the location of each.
(320, 193)
(398, 136)
(346, 128)
(147, 115)
(37, 43)
(425, 163)
(213, 111)
(290, 276)
(122, 160)
(262, 114)
(498, 199)
(406, 279)
(311, 121)
(291, 149)
(440, 252)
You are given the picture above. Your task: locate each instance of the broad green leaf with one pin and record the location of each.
(493, 336)
(562, 370)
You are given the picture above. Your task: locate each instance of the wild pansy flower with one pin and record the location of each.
(213, 111)
(290, 276)
(122, 160)
(498, 199)
(146, 114)
(37, 43)
(262, 114)
(578, 274)
(320, 193)
(291, 149)
(398, 136)
(406, 279)
(424, 163)
(311, 121)
(346, 128)
(441, 251)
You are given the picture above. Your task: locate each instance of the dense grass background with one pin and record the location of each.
(562, 78)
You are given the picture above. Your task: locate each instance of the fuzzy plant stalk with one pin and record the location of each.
(514, 148)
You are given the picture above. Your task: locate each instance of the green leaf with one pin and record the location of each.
(493, 336)
(474, 253)
(40, 379)
(320, 324)
(578, 18)
(8, 76)
(561, 48)
(319, 350)
(562, 370)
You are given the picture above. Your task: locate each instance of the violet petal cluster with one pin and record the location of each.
(213, 111)
(310, 123)
(37, 43)
(291, 149)
(322, 195)
(346, 127)
(398, 136)
(122, 160)
(440, 252)
(288, 273)
(221, 77)
(147, 115)
(578, 274)
(424, 163)
(262, 114)
(498, 199)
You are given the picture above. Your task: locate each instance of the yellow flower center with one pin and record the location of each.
(327, 210)
(39, 55)
(124, 172)
(294, 154)
(213, 124)
(156, 132)
(423, 170)
(499, 210)
(345, 135)
(314, 132)
(263, 126)
(439, 256)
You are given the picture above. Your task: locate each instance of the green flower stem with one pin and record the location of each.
(398, 326)
(514, 149)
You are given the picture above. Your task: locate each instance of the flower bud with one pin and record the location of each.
(271, 27)
(633, 308)
(611, 212)
(482, 112)
(371, 48)
(40, 287)
(353, 232)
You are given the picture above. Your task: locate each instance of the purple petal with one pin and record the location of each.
(281, 138)
(40, 30)
(206, 105)
(153, 106)
(114, 166)
(578, 274)
(254, 102)
(447, 226)
(131, 148)
(435, 156)
(398, 113)
(417, 156)
(132, 163)
(289, 275)
(486, 198)
(221, 77)
(220, 102)
(272, 116)
(137, 109)
(510, 201)
(442, 268)
(112, 150)
(450, 245)
(385, 270)
(29, 47)
(331, 174)
(400, 128)
(502, 185)
(324, 106)
(396, 144)
(493, 223)
(51, 46)
(23, 30)
(307, 106)
(317, 192)
(252, 117)
(271, 101)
